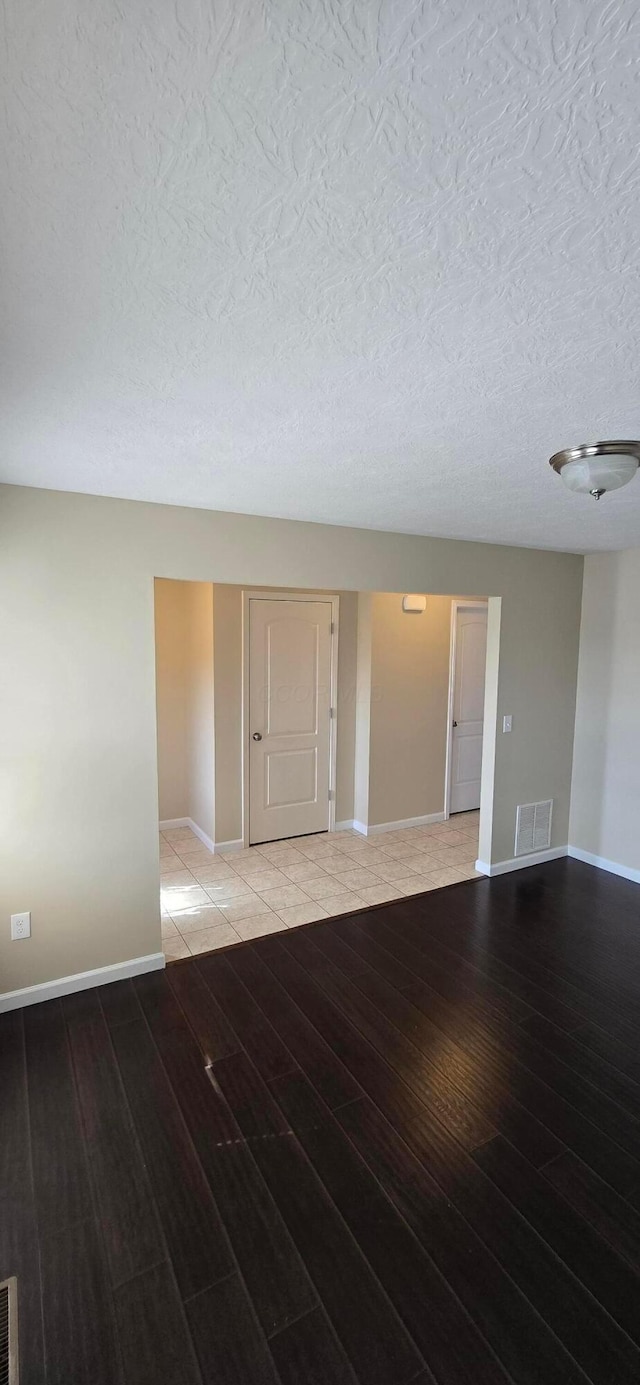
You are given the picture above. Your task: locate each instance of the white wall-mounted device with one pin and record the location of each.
(20, 926)
(414, 605)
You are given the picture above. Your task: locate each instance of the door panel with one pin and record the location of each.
(291, 777)
(291, 666)
(289, 704)
(468, 708)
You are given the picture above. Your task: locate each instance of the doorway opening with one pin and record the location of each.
(304, 756)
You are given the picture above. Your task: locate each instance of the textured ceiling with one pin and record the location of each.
(362, 261)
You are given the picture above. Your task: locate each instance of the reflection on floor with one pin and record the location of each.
(211, 901)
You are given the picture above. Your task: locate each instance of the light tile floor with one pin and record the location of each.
(210, 901)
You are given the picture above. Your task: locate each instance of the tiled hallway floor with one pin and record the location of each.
(211, 901)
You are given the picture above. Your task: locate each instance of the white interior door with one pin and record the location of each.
(290, 651)
(468, 708)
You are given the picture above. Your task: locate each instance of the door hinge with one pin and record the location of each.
(332, 711)
(333, 628)
(331, 795)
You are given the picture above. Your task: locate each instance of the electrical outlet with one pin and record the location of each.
(20, 926)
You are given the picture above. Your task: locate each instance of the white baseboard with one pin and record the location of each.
(346, 825)
(82, 981)
(534, 858)
(206, 841)
(627, 872)
(373, 829)
(360, 827)
(211, 846)
(187, 821)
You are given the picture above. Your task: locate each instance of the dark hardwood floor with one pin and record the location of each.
(399, 1146)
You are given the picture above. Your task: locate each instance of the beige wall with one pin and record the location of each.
(171, 698)
(227, 638)
(78, 779)
(347, 680)
(184, 701)
(362, 757)
(410, 689)
(200, 733)
(605, 799)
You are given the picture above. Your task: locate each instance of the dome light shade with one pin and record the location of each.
(594, 468)
(587, 474)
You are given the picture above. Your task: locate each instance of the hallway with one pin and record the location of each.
(212, 901)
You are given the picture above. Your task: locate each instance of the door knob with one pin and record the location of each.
(257, 736)
(455, 723)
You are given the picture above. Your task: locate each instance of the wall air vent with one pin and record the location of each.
(533, 827)
(9, 1332)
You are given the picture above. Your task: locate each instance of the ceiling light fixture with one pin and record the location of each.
(596, 467)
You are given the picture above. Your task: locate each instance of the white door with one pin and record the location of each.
(468, 708)
(290, 652)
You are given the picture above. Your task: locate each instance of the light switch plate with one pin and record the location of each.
(507, 723)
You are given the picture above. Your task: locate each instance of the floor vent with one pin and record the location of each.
(9, 1332)
(533, 827)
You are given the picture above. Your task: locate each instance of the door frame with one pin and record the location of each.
(458, 604)
(250, 595)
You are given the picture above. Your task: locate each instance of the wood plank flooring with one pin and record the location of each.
(395, 1148)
